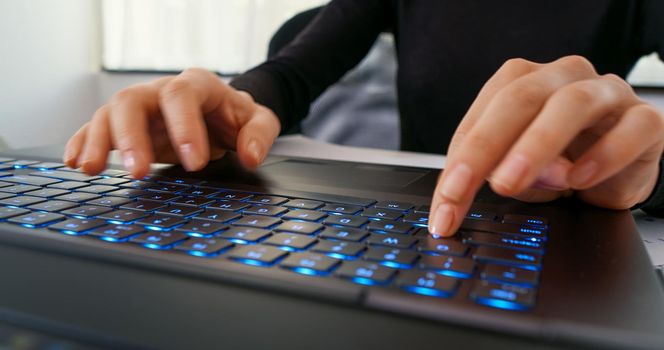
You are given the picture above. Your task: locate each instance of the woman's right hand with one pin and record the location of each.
(189, 119)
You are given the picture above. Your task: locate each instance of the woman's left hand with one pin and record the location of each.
(537, 132)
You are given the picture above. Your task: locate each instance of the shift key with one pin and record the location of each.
(526, 260)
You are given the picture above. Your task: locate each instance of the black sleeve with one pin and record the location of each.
(333, 43)
(653, 41)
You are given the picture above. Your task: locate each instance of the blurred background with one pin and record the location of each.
(60, 60)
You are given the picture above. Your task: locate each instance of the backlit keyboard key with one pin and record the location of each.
(491, 239)
(109, 201)
(123, 216)
(341, 209)
(305, 228)
(18, 189)
(128, 192)
(30, 180)
(77, 197)
(257, 221)
(65, 175)
(302, 214)
(48, 192)
(345, 220)
(423, 209)
(111, 181)
(478, 214)
(523, 220)
(365, 272)
(116, 233)
(421, 219)
(391, 240)
(199, 191)
(244, 235)
(383, 214)
(201, 228)
(52, 206)
(172, 188)
(160, 222)
(7, 212)
(229, 206)
(36, 219)
(235, 196)
(160, 197)
(448, 265)
(268, 210)
(179, 210)
(344, 234)
(389, 226)
(290, 242)
(21, 201)
(309, 263)
(441, 246)
(339, 250)
(217, 215)
(158, 240)
(506, 229)
(268, 200)
(143, 205)
(77, 226)
(204, 246)
(427, 283)
(391, 257)
(509, 274)
(503, 296)
(193, 201)
(403, 206)
(526, 260)
(99, 189)
(303, 204)
(256, 255)
(86, 211)
(68, 185)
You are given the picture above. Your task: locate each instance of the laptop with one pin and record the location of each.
(310, 253)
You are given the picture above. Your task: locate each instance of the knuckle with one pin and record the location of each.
(176, 87)
(581, 93)
(577, 62)
(522, 94)
(651, 116)
(516, 67)
(480, 141)
(126, 94)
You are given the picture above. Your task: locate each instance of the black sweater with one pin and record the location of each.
(447, 50)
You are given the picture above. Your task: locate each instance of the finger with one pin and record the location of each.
(554, 175)
(184, 100)
(567, 112)
(74, 147)
(539, 195)
(97, 144)
(129, 113)
(508, 72)
(638, 135)
(256, 137)
(504, 119)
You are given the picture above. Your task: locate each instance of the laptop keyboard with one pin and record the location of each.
(376, 243)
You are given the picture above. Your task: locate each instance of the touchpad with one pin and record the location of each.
(342, 174)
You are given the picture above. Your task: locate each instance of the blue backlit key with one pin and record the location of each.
(365, 272)
(109, 201)
(217, 215)
(173, 188)
(193, 201)
(86, 211)
(46, 166)
(52, 206)
(441, 246)
(7, 212)
(290, 242)
(111, 181)
(160, 222)
(346, 220)
(383, 214)
(235, 196)
(391, 257)
(479, 214)
(65, 175)
(200, 191)
(302, 214)
(503, 296)
(143, 205)
(204, 247)
(344, 233)
(123, 216)
(391, 240)
(267, 200)
(303, 204)
(419, 219)
(99, 189)
(344, 209)
(533, 244)
(509, 274)
(77, 197)
(425, 209)
(309, 263)
(339, 250)
(389, 226)
(256, 255)
(159, 196)
(77, 226)
(116, 233)
(30, 180)
(427, 283)
(179, 210)
(159, 240)
(68, 185)
(524, 220)
(18, 189)
(268, 210)
(129, 193)
(526, 260)
(202, 228)
(448, 265)
(396, 205)
(257, 221)
(48, 192)
(21, 201)
(229, 205)
(36, 219)
(305, 228)
(244, 235)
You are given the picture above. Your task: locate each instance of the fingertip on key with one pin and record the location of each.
(442, 220)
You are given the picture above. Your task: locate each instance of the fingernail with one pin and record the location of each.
(456, 182)
(255, 149)
(129, 161)
(583, 173)
(191, 161)
(442, 219)
(511, 171)
(553, 176)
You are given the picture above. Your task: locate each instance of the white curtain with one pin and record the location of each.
(227, 36)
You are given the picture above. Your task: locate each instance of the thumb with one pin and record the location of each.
(256, 137)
